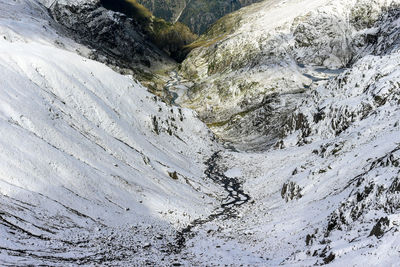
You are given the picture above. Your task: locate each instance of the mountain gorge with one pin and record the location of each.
(256, 67)
(274, 143)
(199, 15)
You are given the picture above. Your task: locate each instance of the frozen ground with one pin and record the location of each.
(94, 170)
(87, 156)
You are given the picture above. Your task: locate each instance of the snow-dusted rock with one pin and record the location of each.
(94, 170)
(274, 49)
(83, 168)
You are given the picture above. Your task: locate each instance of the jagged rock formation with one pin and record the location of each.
(336, 141)
(365, 95)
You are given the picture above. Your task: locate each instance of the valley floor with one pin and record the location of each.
(96, 171)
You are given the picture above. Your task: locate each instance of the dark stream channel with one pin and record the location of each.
(173, 81)
(235, 198)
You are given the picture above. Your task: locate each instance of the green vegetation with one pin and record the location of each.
(221, 29)
(199, 15)
(130, 8)
(165, 9)
(170, 37)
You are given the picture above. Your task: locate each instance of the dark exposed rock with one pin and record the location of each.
(155, 125)
(367, 197)
(197, 14)
(173, 175)
(310, 239)
(379, 228)
(329, 258)
(117, 40)
(291, 191)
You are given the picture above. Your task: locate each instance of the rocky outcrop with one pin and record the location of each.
(367, 214)
(115, 39)
(366, 83)
(257, 53)
(290, 191)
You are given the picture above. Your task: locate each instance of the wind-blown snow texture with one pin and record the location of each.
(88, 157)
(274, 52)
(85, 153)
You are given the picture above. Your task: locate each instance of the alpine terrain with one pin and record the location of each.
(197, 14)
(275, 141)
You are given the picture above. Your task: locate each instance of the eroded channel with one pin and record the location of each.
(234, 199)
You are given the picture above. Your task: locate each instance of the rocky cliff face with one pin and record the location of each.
(323, 91)
(199, 15)
(168, 10)
(115, 39)
(111, 33)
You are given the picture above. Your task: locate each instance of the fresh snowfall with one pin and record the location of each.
(280, 145)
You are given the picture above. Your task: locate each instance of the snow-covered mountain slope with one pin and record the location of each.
(327, 99)
(94, 170)
(123, 43)
(264, 56)
(91, 164)
(329, 191)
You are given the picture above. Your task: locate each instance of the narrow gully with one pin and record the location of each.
(173, 81)
(235, 198)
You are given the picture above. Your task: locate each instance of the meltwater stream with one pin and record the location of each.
(235, 198)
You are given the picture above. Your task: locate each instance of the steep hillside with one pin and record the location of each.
(327, 192)
(264, 57)
(91, 164)
(124, 36)
(314, 87)
(169, 37)
(199, 15)
(113, 35)
(169, 10)
(304, 95)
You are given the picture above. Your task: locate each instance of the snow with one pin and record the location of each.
(79, 140)
(87, 158)
(65, 106)
(234, 172)
(325, 168)
(275, 47)
(328, 161)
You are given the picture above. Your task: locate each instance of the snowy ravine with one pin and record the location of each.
(252, 68)
(93, 168)
(327, 190)
(96, 171)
